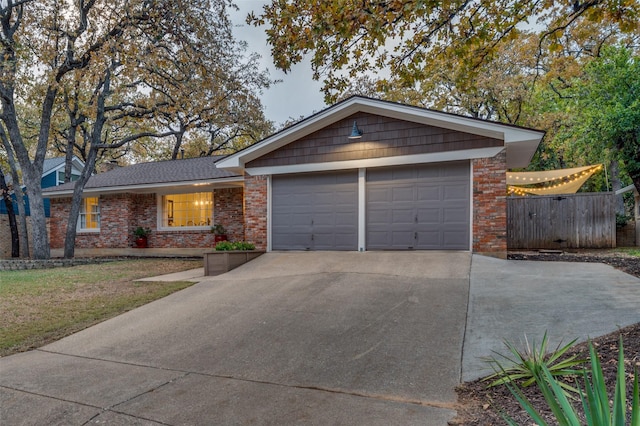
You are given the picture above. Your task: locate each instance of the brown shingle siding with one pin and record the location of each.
(382, 137)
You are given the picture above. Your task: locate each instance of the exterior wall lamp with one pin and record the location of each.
(355, 132)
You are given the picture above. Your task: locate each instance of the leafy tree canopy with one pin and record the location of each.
(408, 42)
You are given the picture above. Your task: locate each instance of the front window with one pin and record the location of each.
(74, 177)
(89, 214)
(187, 210)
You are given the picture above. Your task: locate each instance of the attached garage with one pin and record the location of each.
(315, 211)
(367, 174)
(421, 207)
(414, 207)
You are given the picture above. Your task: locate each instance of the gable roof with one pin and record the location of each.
(521, 143)
(147, 177)
(51, 164)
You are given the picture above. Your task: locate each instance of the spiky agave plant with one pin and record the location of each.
(598, 408)
(526, 365)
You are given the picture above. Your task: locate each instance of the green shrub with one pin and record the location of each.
(598, 408)
(622, 220)
(218, 229)
(527, 365)
(237, 245)
(141, 232)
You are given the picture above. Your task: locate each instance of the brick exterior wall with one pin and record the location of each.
(244, 214)
(120, 214)
(490, 205)
(58, 221)
(255, 210)
(229, 212)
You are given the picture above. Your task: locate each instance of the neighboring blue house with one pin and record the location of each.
(52, 175)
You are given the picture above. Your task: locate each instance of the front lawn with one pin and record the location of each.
(40, 306)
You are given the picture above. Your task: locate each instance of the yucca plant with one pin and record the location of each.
(596, 405)
(528, 364)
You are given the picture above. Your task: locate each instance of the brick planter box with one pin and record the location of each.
(219, 262)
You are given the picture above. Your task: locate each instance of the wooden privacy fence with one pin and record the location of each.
(585, 220)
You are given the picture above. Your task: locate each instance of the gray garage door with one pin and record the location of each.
(418, 207)
(315, 211)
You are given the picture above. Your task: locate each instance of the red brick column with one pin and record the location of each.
(228, 212)
(255, 210)
(490, 205)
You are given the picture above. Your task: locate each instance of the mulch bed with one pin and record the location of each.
(481, 406)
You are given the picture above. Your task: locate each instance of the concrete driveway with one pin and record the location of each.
(311, 338)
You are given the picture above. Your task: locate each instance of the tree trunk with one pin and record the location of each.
(76, 203)
(616, 184)
(89, 166)
(15, 241)
(32, 172)
(23, 231)
(68, 160)
(178, 143)
(631, 153)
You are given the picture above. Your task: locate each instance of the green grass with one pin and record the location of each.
(631, 251)
(41, 306)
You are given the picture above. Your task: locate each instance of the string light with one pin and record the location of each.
(566, 180)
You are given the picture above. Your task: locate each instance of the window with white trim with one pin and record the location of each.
(187, 210)
(60, 181)
(89, 219)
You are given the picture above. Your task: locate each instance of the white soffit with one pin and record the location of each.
(525, 141)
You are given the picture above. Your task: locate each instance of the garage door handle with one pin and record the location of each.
(415, 236)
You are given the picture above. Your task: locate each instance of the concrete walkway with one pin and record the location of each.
(372, 338)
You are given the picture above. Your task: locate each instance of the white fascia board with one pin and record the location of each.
(508, 134)
(79, 165)
(378, 162)
(504, 132)
(149, 188)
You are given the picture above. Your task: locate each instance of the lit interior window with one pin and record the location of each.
(89, 213)
(182, 210)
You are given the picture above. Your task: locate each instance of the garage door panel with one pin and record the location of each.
(460, 169)
(429, 173)
(456, 215)
(402, 216)
(402, 193)
(456, 192)
(437, 195)
(402, 240)
(316, 211)
(429, 216)
(293, 239)
(453, 239)
(379, 194)
(378, 217)
(429, 239)
(429, 193)
(378, 238)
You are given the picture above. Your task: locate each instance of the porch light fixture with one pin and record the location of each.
(355, 132)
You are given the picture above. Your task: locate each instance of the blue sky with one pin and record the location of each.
(298, 94)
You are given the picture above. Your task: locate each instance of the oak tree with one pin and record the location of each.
(410, 40)
(102, 73)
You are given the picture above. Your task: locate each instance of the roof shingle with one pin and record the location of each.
(186, 170)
